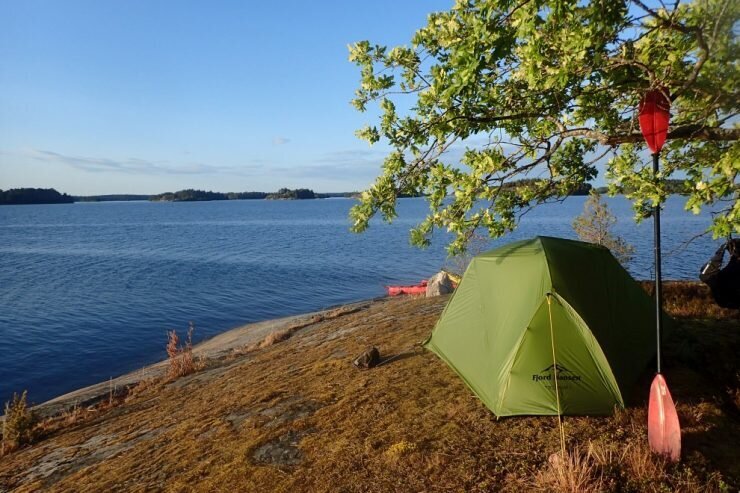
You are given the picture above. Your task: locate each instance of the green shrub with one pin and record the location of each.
(18, 423)
(595, 224)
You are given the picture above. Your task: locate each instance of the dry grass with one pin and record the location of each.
(577, 472)
(79, 414)
(296, 416)
(275, 337)
(398, 450)
(619, 467)
(685, 299)
(142, 386)
(73, 416)
(181, 363)
(180, 357)
(18, 424)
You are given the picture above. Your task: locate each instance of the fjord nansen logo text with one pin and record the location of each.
(548, 373)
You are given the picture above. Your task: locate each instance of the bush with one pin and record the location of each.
(594, 226)
(18, 424)
(577, 472)
(181, 357)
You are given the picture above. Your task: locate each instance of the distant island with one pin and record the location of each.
(16, 196)
(288, 194)
(121, 197)
(191, 195)
(673, 187)
(51, 196)
(583, 189)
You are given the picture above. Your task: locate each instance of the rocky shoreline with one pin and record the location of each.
(211, 350)
(279, 406)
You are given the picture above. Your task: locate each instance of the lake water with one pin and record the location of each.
(88, 290)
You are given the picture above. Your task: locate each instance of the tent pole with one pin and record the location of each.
(555, 375)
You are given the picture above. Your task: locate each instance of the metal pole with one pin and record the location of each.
(658, 291)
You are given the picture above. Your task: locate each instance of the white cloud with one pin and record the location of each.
(133, 165)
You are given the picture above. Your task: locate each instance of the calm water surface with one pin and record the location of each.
(87, 291)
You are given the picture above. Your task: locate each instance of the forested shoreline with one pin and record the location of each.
(17, 196)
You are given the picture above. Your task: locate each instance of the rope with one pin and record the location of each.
(555, 374)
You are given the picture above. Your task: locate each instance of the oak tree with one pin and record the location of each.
(493, 91)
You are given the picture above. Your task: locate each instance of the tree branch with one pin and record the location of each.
(688, 132)
(693, 30)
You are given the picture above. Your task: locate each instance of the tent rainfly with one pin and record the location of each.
(546, 310)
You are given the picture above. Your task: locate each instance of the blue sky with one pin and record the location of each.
(150, 96)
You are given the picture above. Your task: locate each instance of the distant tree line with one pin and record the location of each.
(188, 195)
(34, 196)
(51, 196)
(109, 198)
(246, 195)
(534, 183)
(346, 195)
(288, 194)
(672, 186)
(191, 195)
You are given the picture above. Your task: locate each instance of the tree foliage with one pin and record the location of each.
(549, 89)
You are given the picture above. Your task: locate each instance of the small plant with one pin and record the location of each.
(594, 226)
(182, 361)
(642, 465)
(576, 472)
(140, 387)
(73, 415)
(400, 449)
(274, 337)
(18, 424)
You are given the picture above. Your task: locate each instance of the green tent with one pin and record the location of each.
(534, 309)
